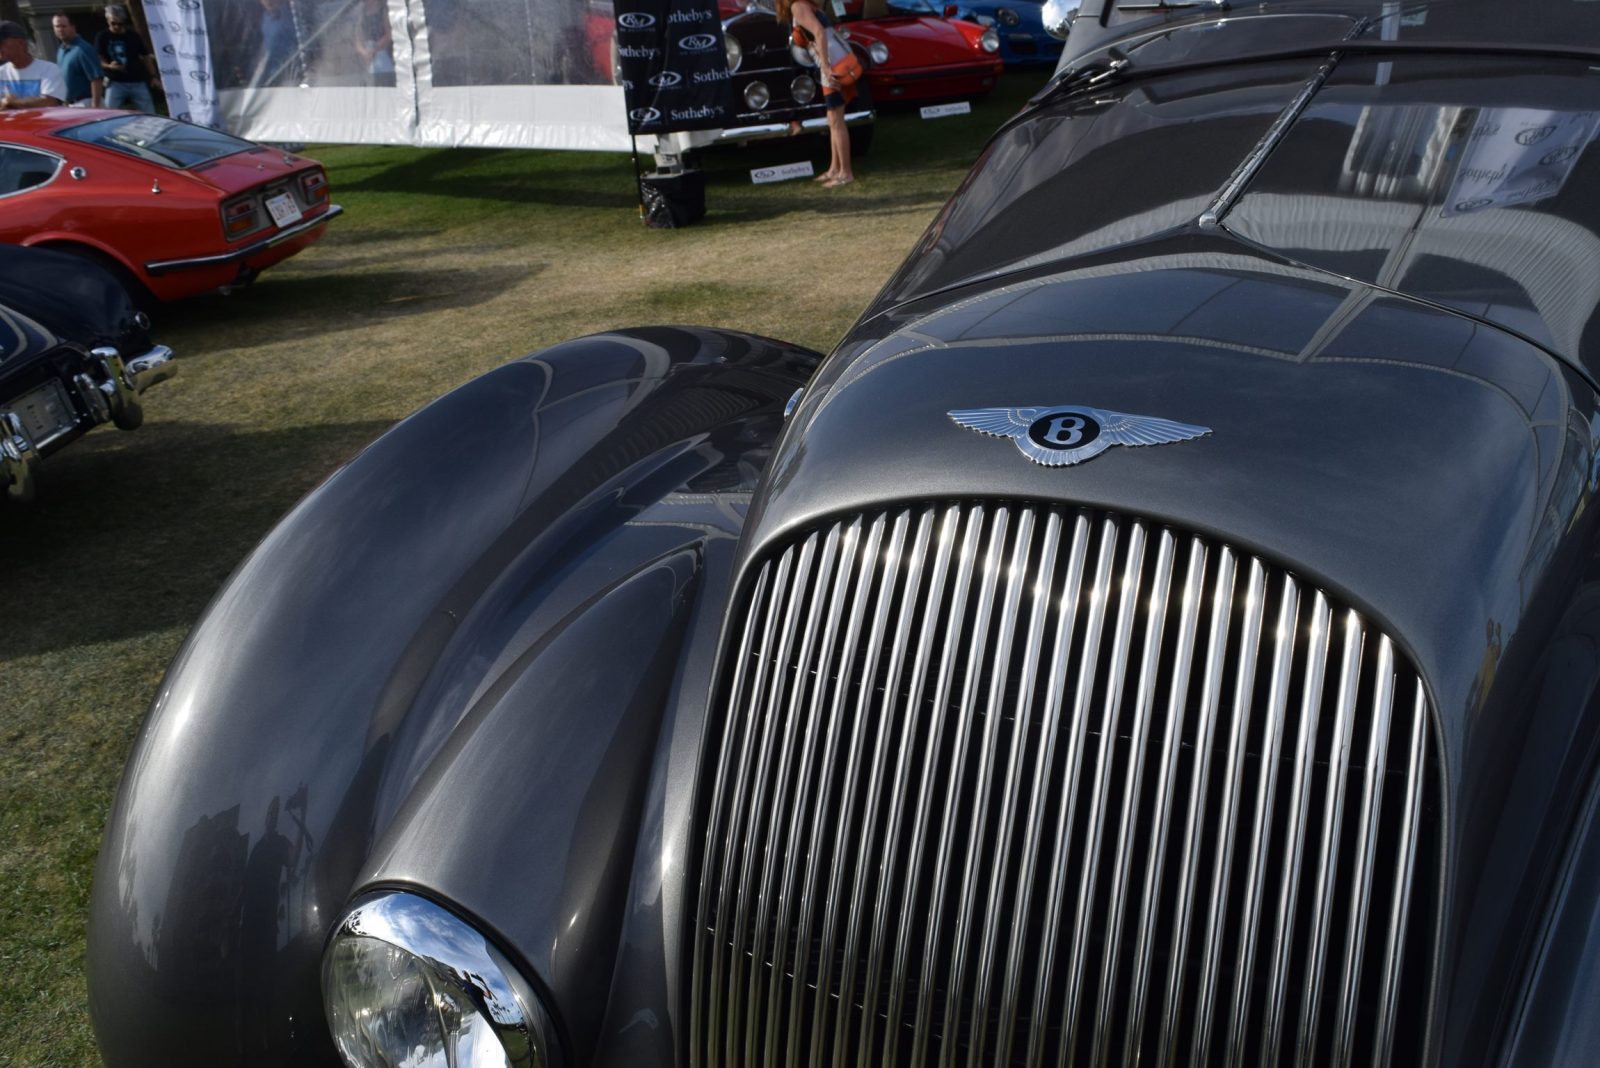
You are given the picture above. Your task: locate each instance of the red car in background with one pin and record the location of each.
(917, 54)
(171, 208)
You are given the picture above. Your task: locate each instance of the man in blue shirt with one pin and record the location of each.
(79, 64)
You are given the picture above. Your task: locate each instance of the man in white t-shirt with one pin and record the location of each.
(26, 82)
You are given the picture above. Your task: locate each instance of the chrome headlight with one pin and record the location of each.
(803, 89)
(735, 51)
(879, 53)
(1058, 16)
(990, 40)
(1007, 17)
(802, 56)
(406, 982)
(757, 96)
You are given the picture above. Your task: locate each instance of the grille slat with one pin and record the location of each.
(924, 806)
(954, 779)
(1216, 652)
(1002, 784)
(1217, 900)
(1100, 791)
(1083, 698)
(1132, 781)
(1033, 648)
(1266, 794)
(969, 883)
(1366, 847)
(833, 913)
(1332, 819)
(1405, 862)
(779, 695)
(1191, 605)
(944, 549)
(1299, 805)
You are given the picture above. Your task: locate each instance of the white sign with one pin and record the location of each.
(182, 51)
(939, 111)
(781, 173)
(1518, 156)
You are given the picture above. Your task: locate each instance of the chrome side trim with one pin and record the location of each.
(771, 131)
(157, 267)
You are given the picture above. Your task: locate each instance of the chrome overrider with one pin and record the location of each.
(109, 392)
(769, 131)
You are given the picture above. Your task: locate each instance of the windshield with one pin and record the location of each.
(158, 140)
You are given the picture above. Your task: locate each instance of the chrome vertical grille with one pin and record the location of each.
(998, 784)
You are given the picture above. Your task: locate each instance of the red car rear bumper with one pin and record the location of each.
(934, 83)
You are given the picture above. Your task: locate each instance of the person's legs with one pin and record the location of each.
(139, 94)
(839, 139)
(129, 94)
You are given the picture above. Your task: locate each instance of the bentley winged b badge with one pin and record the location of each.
(1071, 434)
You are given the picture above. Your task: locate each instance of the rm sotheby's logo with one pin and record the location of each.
(1071, 434)
(666, 79)
(698, 42)
(635, 20)
(644, 115)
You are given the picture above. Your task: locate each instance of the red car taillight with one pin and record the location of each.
(314, 184)
(241, 216)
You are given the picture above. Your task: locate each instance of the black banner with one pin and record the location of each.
(674, 65)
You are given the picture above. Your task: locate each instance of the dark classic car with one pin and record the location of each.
(775, 83)
(1159, 632)
(74, 353)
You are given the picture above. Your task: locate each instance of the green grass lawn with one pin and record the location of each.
(446, 264)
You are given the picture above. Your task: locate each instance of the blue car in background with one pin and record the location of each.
(1023, 40)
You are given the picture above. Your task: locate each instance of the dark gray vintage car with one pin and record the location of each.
(1160, 632)
(75, 352)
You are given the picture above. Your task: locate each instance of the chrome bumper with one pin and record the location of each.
(111, 395)
(304, 225)
(773, 130)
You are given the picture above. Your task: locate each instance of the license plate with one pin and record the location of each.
(283, 209)
(45, 412)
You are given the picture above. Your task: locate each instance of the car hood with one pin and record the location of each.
(916, 40)
(1352, 437)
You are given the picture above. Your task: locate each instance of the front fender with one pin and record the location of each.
(477, 618)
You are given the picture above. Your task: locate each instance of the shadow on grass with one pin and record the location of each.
(509, 175)
(315, 304)
(132, 533)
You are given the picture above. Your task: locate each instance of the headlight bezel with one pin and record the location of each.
(444, 949)
(878, 52)
(989, 41)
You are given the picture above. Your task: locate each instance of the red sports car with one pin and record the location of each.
(918, 55)
(172, 208)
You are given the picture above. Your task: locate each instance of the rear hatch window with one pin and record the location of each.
(159, 140)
